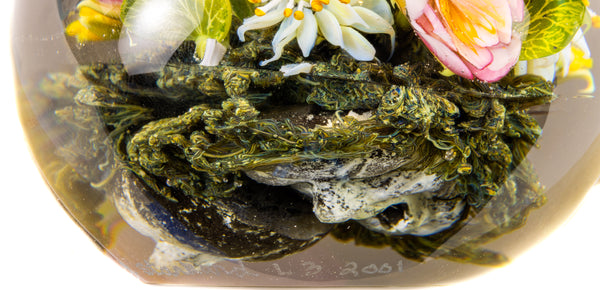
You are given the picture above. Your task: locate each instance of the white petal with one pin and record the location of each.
(329, 27)
(344, 13)
(278, 50)
(375, 24)
(288, 27)
(356, 45)
(520, 68)
(544, 67)
(153, 30)
(273, 4)
(285, 34)
(307, 32)
(381, 7)
(259, 22)
(171, 20)
(214, 53)
(580, 42)
(296, 68)
(565, 58)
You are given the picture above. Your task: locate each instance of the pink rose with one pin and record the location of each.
(472, 38)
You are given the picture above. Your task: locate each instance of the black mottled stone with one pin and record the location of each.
(257, 222)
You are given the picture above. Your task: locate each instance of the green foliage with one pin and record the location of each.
(471, 132)
(552, 25)
(190, 132)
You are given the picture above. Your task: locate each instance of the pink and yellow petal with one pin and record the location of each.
(97, 20)
(444, 54)
(90, 17)
(473, 38)
(517, 10)
(110, 8)
(478, 56)
(504, 58)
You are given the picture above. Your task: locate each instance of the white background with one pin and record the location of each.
(42, 248)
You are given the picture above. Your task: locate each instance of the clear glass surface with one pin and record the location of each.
(561, 167)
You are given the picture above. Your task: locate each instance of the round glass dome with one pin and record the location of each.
(312, 143)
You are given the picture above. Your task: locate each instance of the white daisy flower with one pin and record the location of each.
(338, 21)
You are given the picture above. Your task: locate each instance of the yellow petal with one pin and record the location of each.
(83, 34)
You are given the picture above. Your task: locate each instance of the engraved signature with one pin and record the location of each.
(351, 269)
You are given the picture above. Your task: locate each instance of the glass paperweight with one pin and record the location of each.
(312, 143)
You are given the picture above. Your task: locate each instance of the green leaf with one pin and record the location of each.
(552, 25)
(242, 8)
(125, 8)
(216, 20)
(216, 23)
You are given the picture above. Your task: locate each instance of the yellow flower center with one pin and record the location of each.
(299, 15)
(259, 12)
(315, 5)
(287, 12)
